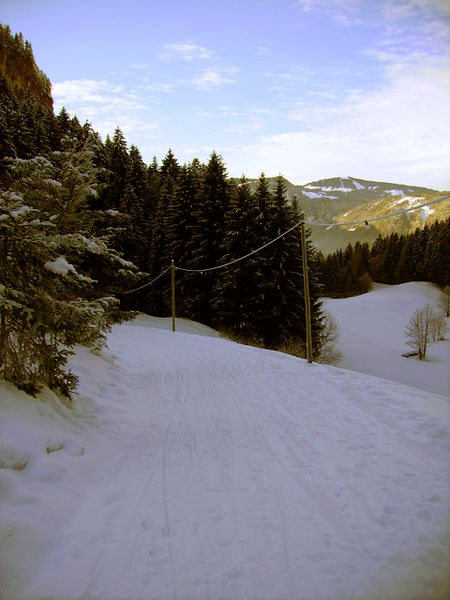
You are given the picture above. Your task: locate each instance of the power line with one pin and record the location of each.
(307, 223)
(236, 260)
(380, 217)
(148, 283)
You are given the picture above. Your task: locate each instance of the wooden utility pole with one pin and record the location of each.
(172, 282)
(306, 294)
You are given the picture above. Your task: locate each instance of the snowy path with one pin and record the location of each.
(222, 471)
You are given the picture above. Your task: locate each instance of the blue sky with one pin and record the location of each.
(306, 88)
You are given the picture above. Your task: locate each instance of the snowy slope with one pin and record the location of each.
(372, 338)
(192, 467)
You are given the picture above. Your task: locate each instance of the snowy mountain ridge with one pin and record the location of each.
(332, 200)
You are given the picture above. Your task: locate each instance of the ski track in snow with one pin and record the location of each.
(229, 472)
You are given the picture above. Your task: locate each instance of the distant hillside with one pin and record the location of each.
(18, 67)
(404, 223)
(343, 199)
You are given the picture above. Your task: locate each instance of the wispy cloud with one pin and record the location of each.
(211, 79)
(138, 67)
(343, 12)
(261, 50)
(166, 88)
(106, 104)
(400, 131)
(186, 51)
(99, 93)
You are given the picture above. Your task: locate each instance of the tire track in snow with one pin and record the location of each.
(130, 526)
(168, 532)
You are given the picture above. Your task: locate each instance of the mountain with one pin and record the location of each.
(344, 199)
(18, 67)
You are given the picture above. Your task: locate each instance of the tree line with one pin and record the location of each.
(83, 222)
(423, 255)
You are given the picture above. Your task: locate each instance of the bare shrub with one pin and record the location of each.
(418, 330)
(327, 351)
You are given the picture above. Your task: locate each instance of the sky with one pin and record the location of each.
(309, 89)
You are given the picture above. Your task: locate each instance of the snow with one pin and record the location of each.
(412, 200)
(193, 467)
(313, 194)
(318, 194)
(60, 266)
(372, 337)
(358, 186)
(22, 211)
(426, 211)
(394, 192)
(54, 182)
(342, 188)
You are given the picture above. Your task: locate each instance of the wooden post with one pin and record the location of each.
(172, 281)
(306, 294)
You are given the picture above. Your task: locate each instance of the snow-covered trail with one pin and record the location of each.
(230, 472)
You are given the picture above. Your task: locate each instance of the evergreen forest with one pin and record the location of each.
(423, 255)
(89, 231)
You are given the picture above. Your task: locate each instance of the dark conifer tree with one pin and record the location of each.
(118, 171)
(159, 295)
(24, 125)
(237, 288)
(61, 128)
(180, 225)
(206, 247)
(283, 303)
(437, 253)
(8, 108)
(135, 212)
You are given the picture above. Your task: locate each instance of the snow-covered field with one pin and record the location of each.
(372, 338)
(193, 467)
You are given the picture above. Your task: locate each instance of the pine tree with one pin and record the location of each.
(136, 206)
(49, 300)
(437, 253)
(159, 295)
(238, 286)
(61, 128)
(180, 224)
(206, 247)
(8, 108)
(118, 172)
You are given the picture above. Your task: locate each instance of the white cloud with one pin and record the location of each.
(105, 105)
(102, 94)
(138, 67)
(185, 51)
(212, 79)
(399, 133)
(159, 87)
(343, 12)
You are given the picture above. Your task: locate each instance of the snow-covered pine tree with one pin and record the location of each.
(49, 300)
